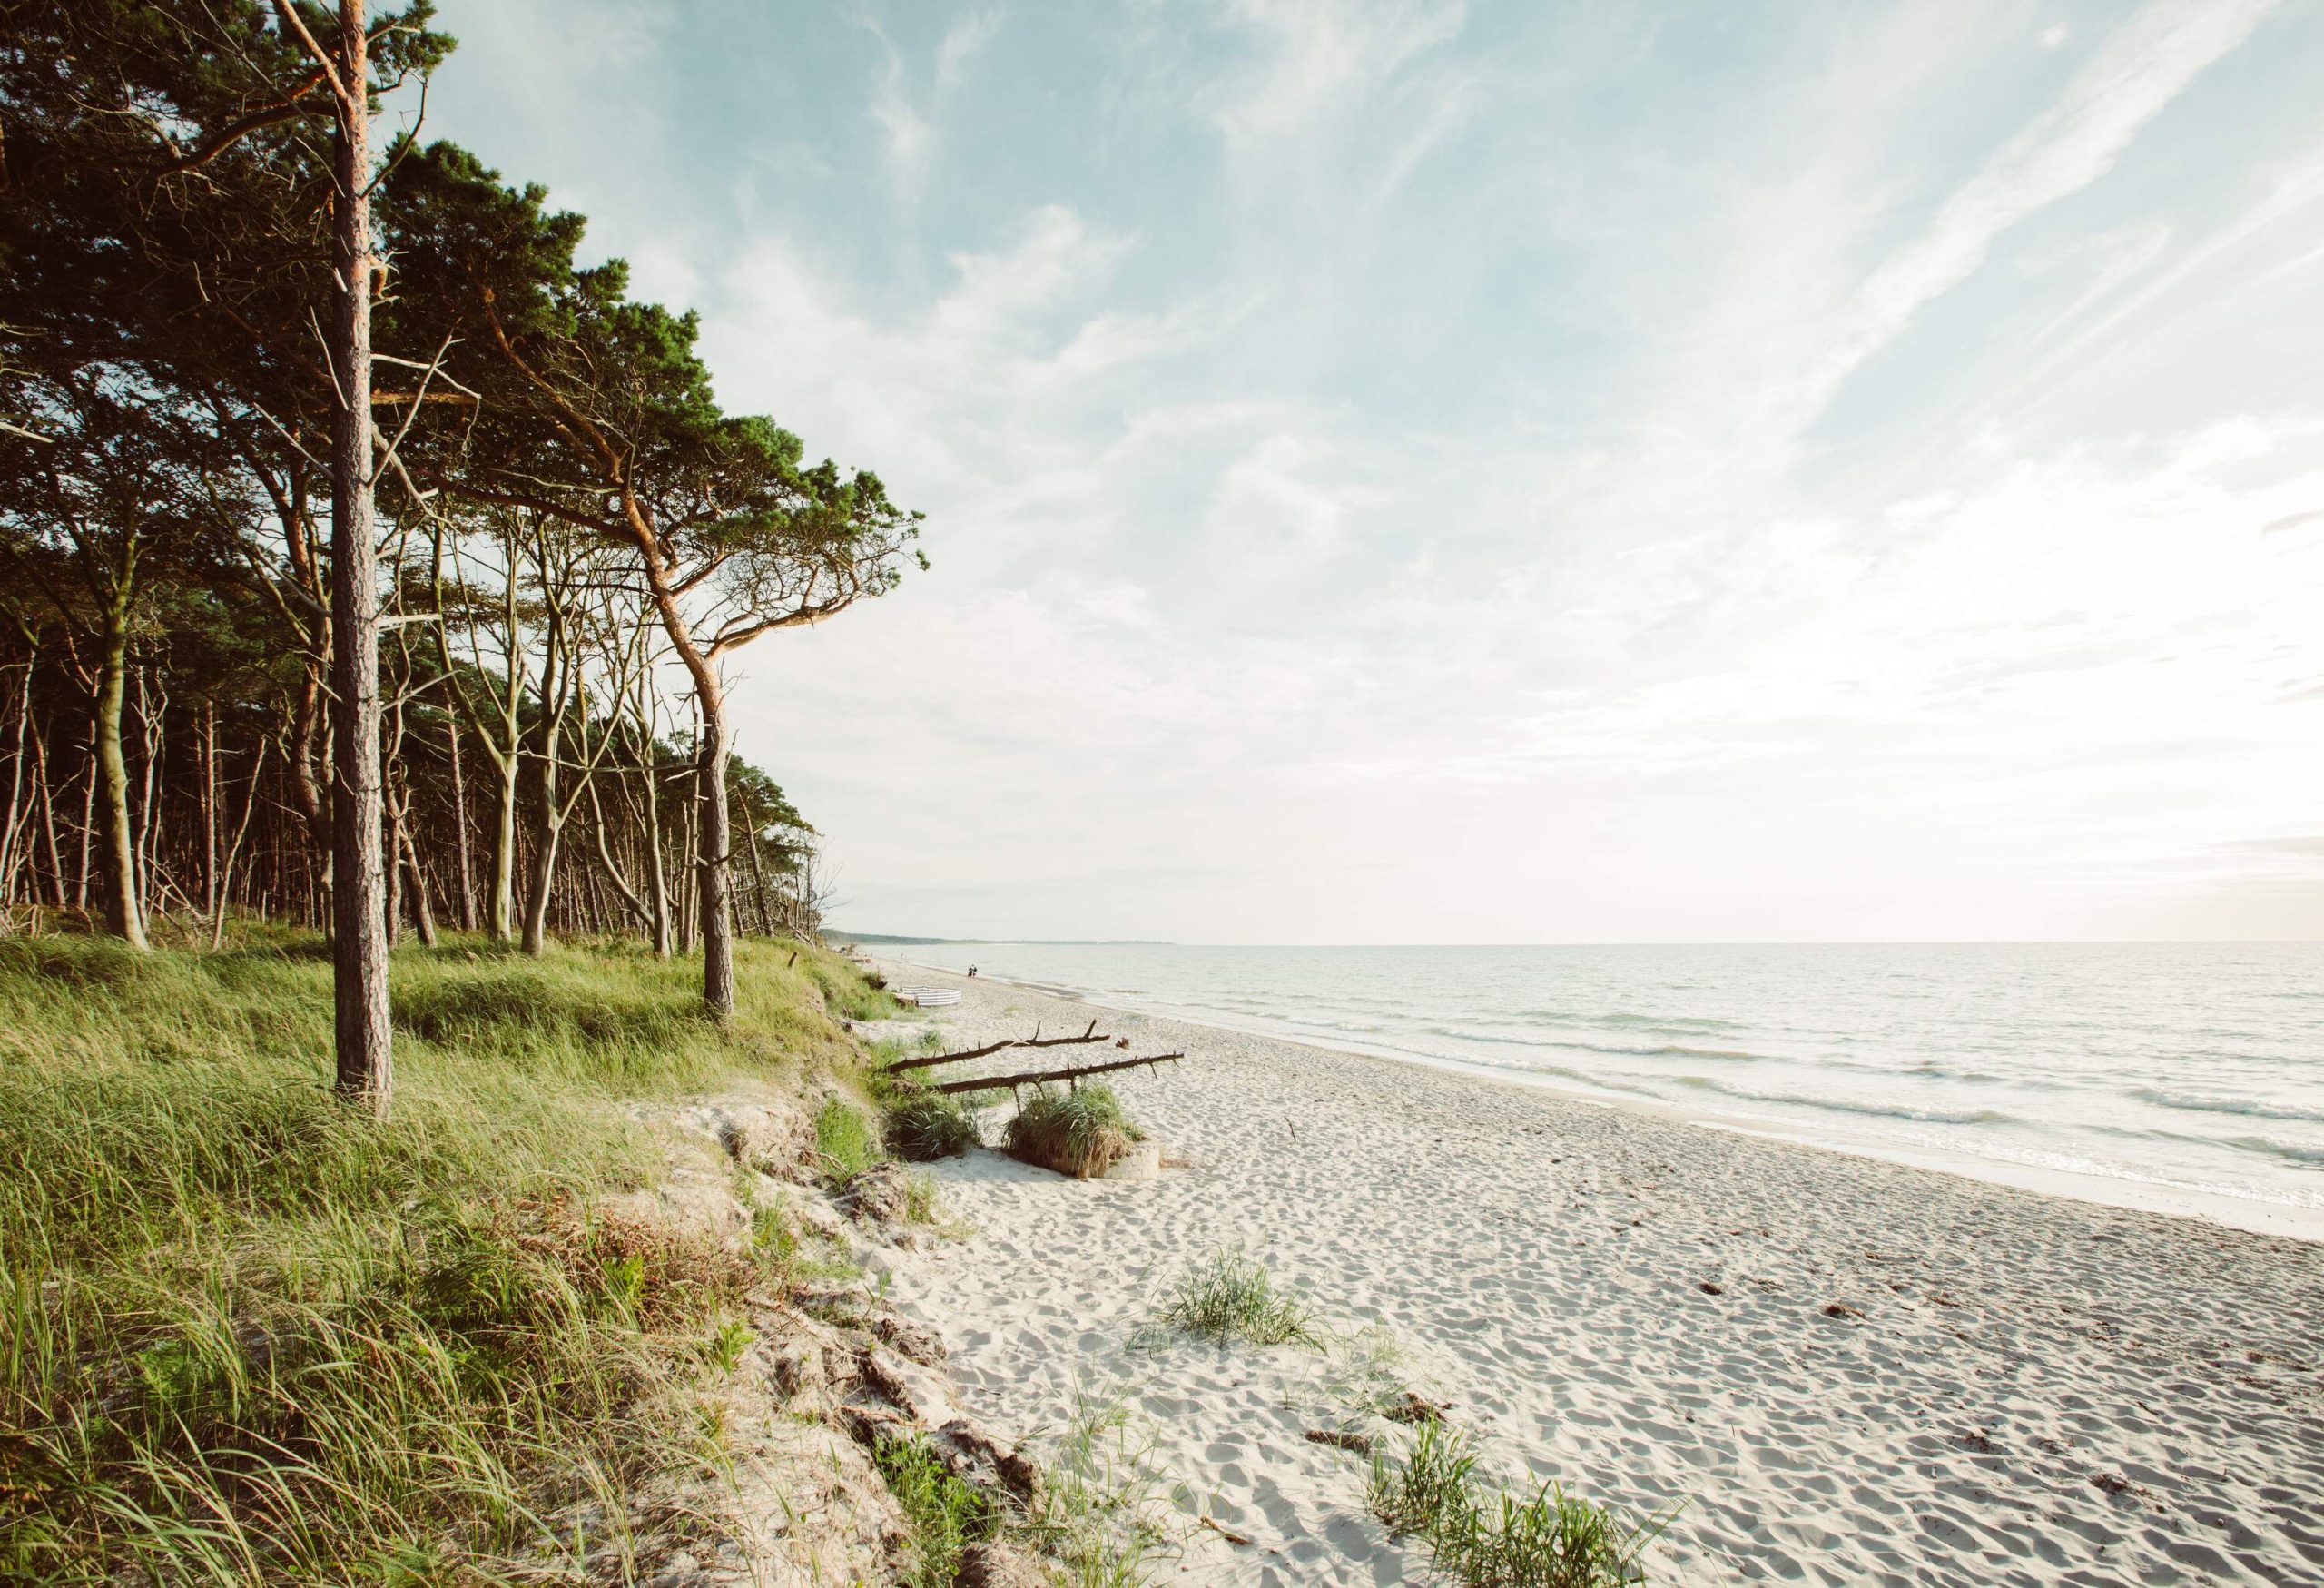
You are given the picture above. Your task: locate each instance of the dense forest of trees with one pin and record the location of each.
(366, 560)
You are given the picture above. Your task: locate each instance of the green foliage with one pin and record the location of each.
(923, 1126)
(946, 1515)
(248, 1337)
(1229, 1296)
(1079, 1133)
(846, 993)
(1485, 1537)
(844, 1144)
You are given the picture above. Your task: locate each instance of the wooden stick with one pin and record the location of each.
(1036, 1040)
(1035, 1077)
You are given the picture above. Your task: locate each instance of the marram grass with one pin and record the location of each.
(1480, 1537)
(248, 1338)
(1080, 1132)
(1230, 1296)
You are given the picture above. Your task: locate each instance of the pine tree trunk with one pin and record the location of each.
(423, 913)
(120, 852)
(460, 822)
(359, 887)
(209, 809)
(660, 898)
(711, 858)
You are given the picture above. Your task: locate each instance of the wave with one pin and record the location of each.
(1842, 1105)
(2291, 1152)
(2205, 1105)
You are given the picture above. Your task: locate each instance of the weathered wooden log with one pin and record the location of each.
(1034, 1041)
(1037, 1077)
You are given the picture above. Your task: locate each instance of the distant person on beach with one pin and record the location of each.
(972, 969)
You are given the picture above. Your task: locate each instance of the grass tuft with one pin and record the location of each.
(844, 1144)
(1485, 1537)
(923, 1126)
(1081, 1132)
(1229, 1296)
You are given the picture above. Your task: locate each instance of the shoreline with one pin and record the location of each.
(1847, 1369)
(2250, 1214)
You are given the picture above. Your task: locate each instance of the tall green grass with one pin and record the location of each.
(1230, 1296)
(1481, 1536)
(1080, 1132)
(247, 1336)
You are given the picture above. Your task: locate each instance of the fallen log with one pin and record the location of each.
(1037, 1077)
(1034, 1041)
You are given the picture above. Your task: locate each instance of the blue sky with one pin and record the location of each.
(1440, 472)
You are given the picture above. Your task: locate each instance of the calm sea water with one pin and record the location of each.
(2198, 1066)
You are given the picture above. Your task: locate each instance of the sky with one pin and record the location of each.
(1428, 472)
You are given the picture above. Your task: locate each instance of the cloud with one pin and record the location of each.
(2139, 69)
(1318, 57)
(1502, 498)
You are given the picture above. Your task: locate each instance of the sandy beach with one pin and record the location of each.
(1848, 1371)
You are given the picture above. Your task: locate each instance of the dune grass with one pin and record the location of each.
(922, 1126)
(945, 1515)
(247, 1336)
(1081, 1132)
(1229, 1296)
(1482, 1536)
(845, 1143)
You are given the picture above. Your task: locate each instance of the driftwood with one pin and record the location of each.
(1035, 1077)
(1034, 1041)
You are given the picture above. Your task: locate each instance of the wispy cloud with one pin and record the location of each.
(1401, 472)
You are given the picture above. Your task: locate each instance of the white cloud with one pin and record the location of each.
(2136, 73)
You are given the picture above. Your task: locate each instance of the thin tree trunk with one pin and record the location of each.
(48, 812)
(88, 816)
(122, 915)
(758, 869)
(16, 800)
(225, 883)
(621, 884)
(460, 819)
(391, 826)
(423, 914)
(659, 879)
(148, 730)
(711, 857)
(358, 888)
(210, 807)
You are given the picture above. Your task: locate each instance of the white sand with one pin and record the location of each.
(1541, 1260)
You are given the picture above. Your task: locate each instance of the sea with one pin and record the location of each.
(2173, 1067)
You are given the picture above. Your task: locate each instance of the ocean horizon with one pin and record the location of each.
(2135, 1068)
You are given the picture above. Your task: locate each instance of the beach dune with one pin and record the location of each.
(1842, 1371)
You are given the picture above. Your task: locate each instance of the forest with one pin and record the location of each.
(368, 561)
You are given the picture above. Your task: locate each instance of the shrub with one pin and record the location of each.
(1485, 1537)
(923, 1126)
(845, 1145)
(1079, 1133)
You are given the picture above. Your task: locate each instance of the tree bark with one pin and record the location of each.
(711, 858)
(423, 913)
(209, 808)
(460, 819)
(659, 877)
(119, 854)
(359, 885)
